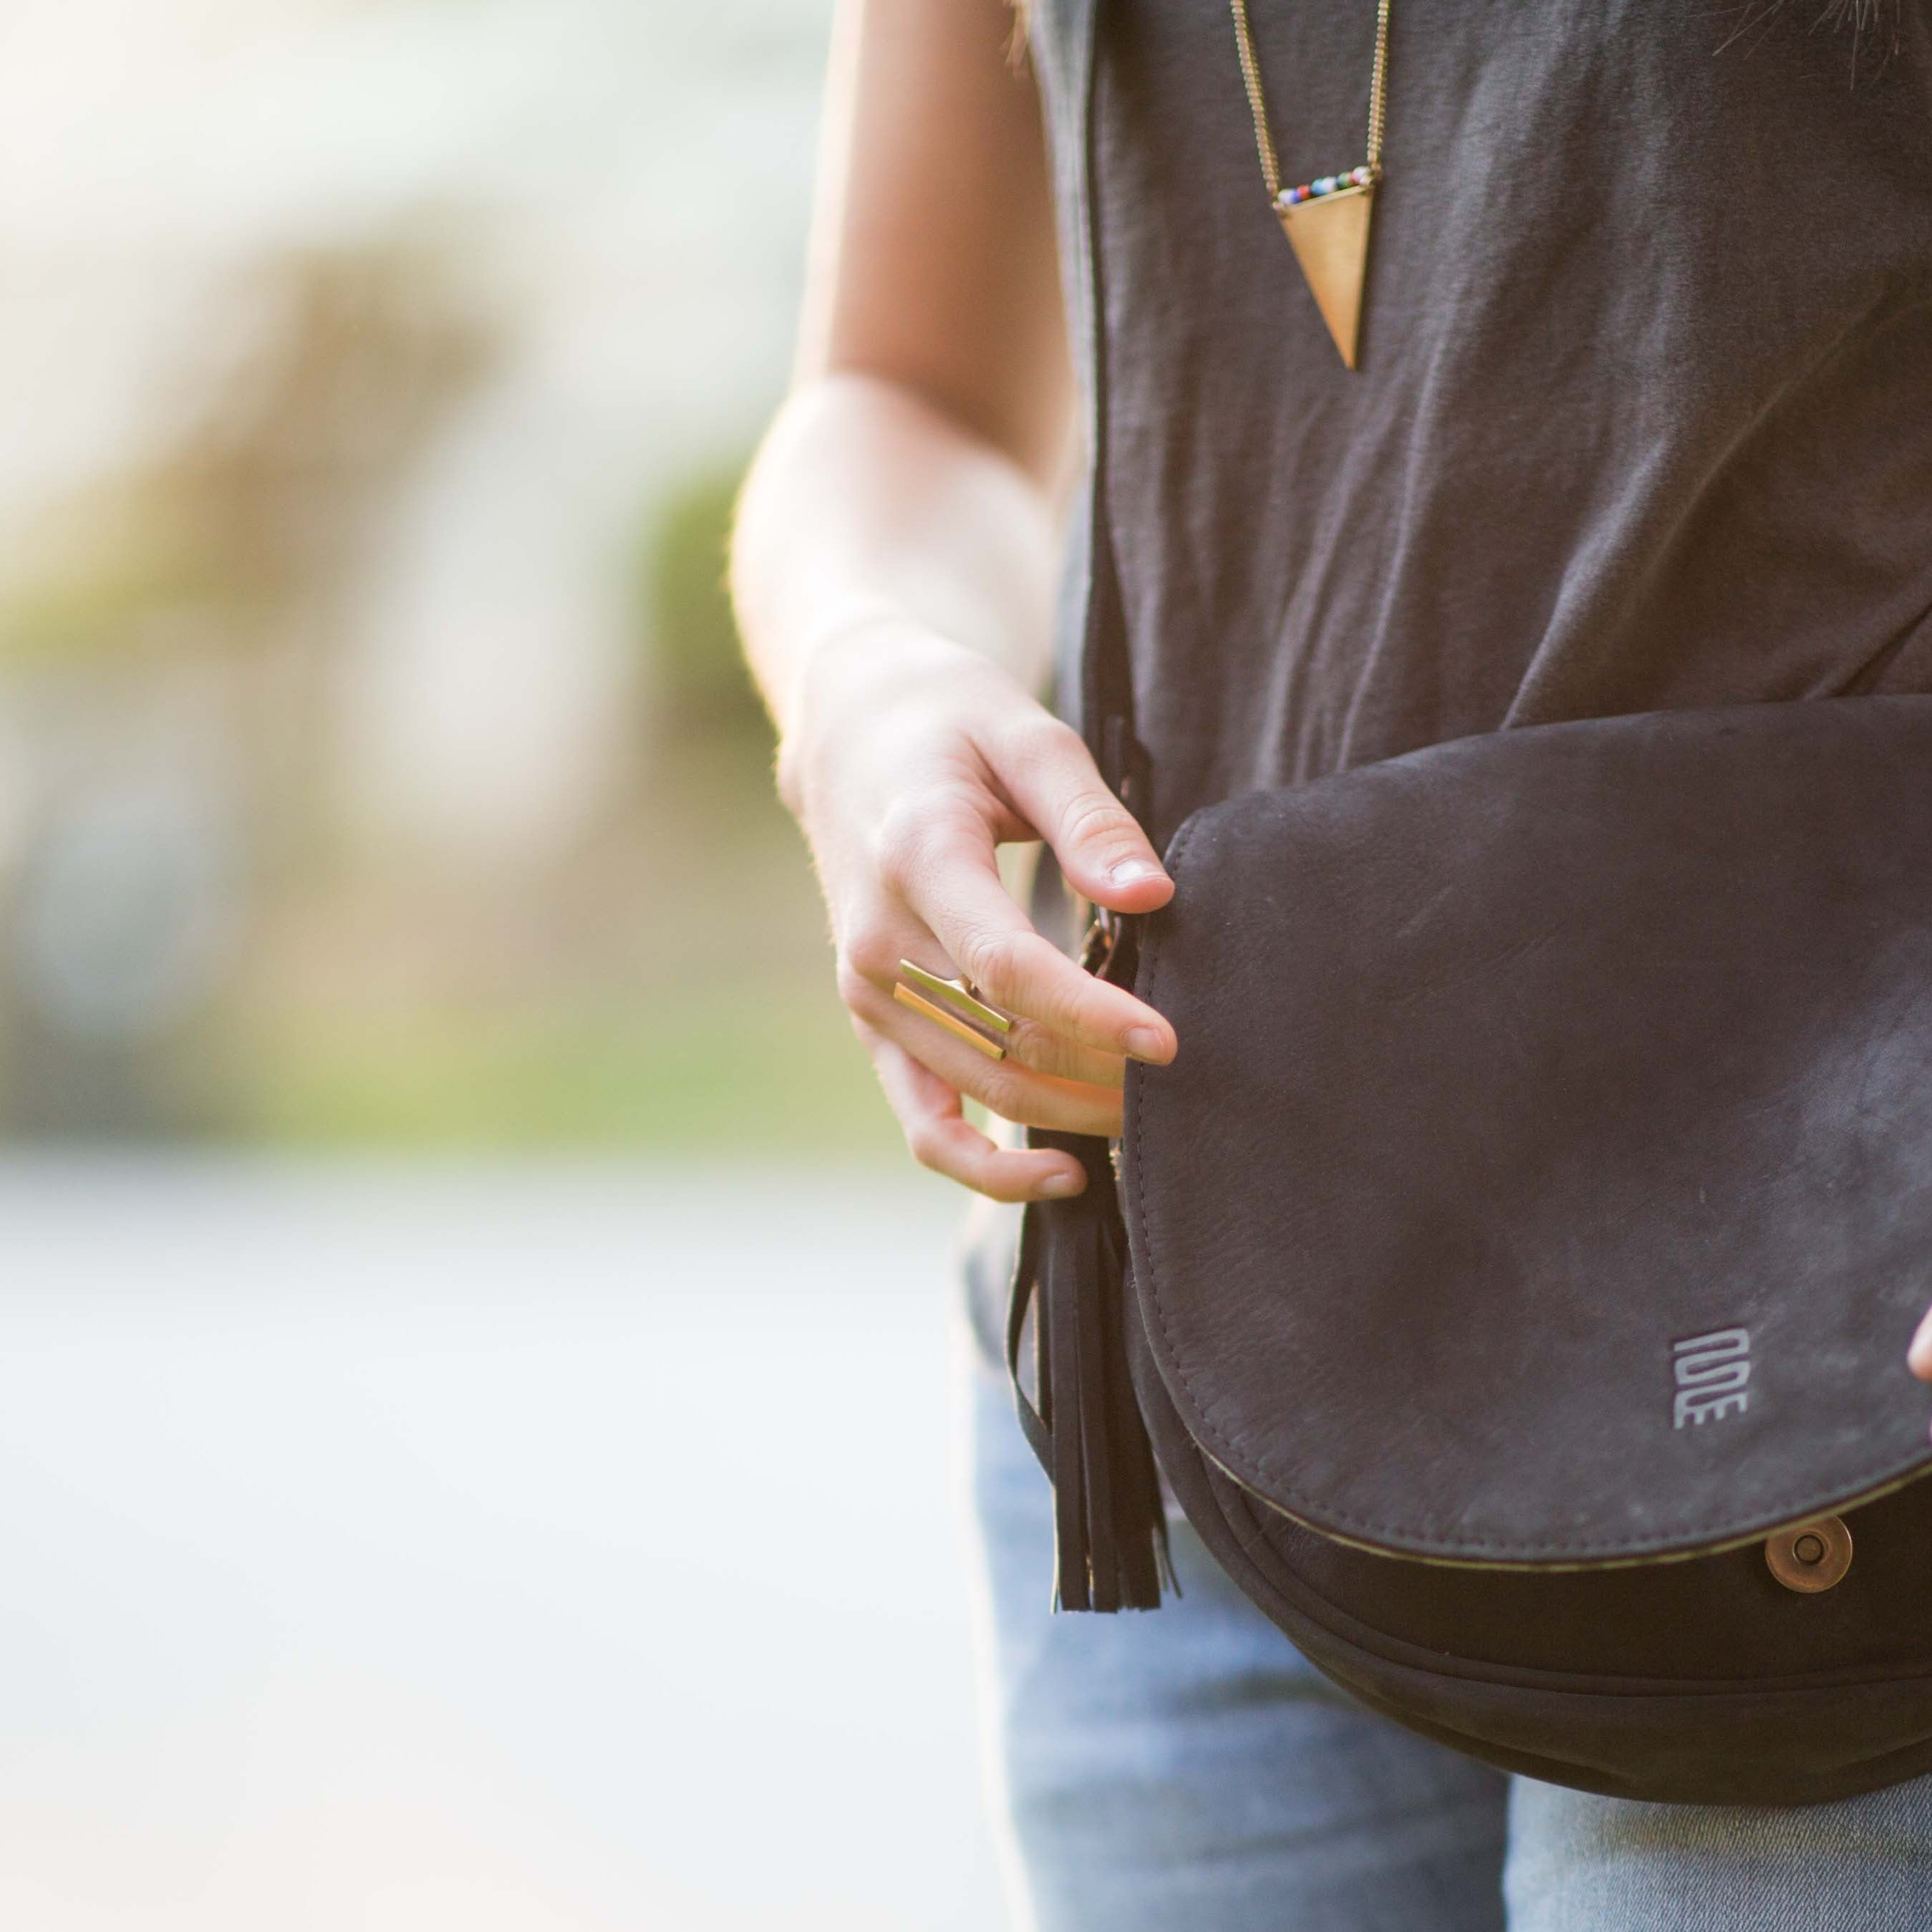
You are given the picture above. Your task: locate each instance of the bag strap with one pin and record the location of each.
(1106, 673)
(1110, 1525)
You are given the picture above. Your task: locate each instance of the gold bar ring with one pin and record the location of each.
(971, 1020)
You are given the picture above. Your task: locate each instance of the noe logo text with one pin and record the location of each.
(1712, 1373)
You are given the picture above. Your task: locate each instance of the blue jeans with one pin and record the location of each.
(1188, 1771)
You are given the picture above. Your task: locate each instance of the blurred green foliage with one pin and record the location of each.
(664, 984)
(698, 683)
(751, 1069)
(678, 994)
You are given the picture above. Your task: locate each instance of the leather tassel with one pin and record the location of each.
(1110, 1529)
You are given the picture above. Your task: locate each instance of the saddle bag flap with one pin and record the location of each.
(1545, 1178)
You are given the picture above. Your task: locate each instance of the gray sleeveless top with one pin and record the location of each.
(1644, 416)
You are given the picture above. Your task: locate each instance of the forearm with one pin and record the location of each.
(869, 513)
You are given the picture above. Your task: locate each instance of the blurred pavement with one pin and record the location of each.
(504, 1549)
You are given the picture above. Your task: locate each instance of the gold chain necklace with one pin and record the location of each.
(1326, 220)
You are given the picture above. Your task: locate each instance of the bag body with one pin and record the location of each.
(1531, 1229)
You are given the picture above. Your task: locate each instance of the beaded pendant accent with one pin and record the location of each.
(1326, 224)
(1327, 221)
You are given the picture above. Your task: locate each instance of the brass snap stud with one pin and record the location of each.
(1810, 1556)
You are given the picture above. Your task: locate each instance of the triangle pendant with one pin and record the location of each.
(1330, 236)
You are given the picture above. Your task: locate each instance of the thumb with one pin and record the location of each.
(1101, 849)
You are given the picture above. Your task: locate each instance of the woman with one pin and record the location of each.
(1640, 421)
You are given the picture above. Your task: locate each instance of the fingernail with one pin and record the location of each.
(1057, 1187)
(1144, 1043)
(1133, 872)
(1919, 1356)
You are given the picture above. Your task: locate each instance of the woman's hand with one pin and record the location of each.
(908, 760)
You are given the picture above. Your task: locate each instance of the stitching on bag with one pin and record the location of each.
(1235, 1450)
